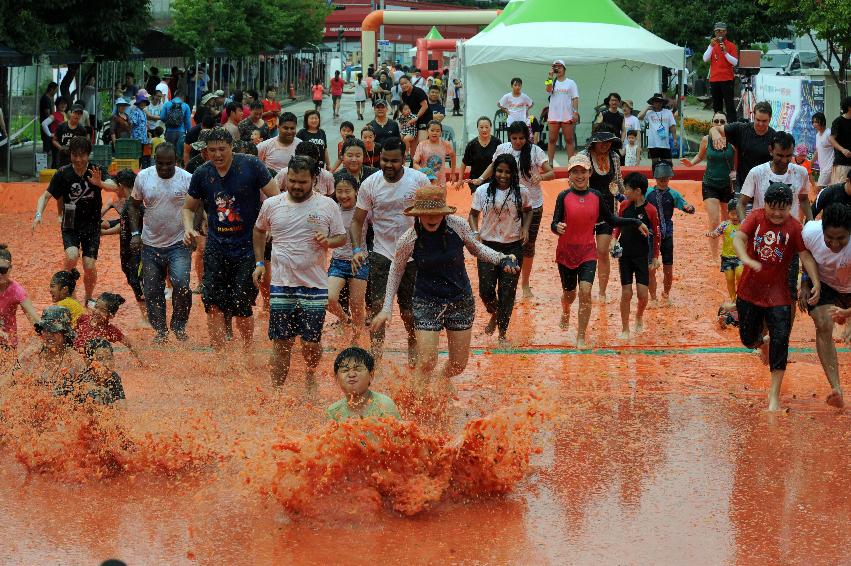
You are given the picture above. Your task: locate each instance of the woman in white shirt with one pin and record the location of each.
(360, 95)
(563, 112)
(824, 150)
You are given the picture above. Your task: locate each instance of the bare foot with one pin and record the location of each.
(624, 335)
(491, 326)
(665, 301)
(639, 326)
(773, 403)
(527, 293)
(835, 399)
(580, 343)
(565, 320)
(503, 341)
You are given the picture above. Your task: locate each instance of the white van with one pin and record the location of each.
(787, 62)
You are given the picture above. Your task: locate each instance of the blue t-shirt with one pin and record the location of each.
(665, 202)
(232, 202)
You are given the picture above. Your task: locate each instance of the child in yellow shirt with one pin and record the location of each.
(62, 286)
(731, 265)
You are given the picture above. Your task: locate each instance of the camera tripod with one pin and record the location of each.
(747, 98)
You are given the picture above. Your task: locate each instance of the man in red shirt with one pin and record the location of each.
(271, 107)
(337, 84)
(578, 210)
(722, 56)
(766, 242)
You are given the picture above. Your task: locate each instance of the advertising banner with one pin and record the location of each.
(793, 101)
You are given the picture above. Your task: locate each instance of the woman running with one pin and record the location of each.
(479, 152)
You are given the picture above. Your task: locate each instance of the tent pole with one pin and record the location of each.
(37, 134)
(463, 101)
(8, 121)
(681, 98)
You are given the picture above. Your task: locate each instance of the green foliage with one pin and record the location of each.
(689, 22)
(92, 27)
(246, 28)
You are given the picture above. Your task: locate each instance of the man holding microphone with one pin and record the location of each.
(722, 56)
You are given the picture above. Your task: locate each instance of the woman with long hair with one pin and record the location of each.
(499, 216)
(534, 168)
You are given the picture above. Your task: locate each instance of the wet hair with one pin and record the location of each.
(637, 181)
(219, 134)
(126, 177)
(112, 301)
(5, 253)
(406, 77)
(287, 117)
(820, 119)
(513, 184)
(165, 147)
(393, 144)
(304, 163)
(845, 105)
(240, 146)
(80, 145)
(355, 354)
(352, 141)
(519, 127)
(231, 107)
(778, 194)
(485, 118)
(310, 113)
(347, 124)
(366, 128)
(782, 140)
(255, 105)
(516, 80)
(311, 150)
(66, 279)
(764, 107)
(346, 177)
(836, 215)
(96, 344)
(208, 122)
(434, 123)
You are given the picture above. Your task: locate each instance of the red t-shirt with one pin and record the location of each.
(581, 212)
(337, 87)
(274, 107)
(774, 247)
(719, 68)
(318, 91)
(86, 330)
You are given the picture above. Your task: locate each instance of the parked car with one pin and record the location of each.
(787, 61)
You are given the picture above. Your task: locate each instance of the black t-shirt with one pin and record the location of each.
(614, 120)
(841, 130)
(753, 149)
(373, 158)
(633, 242)
(192, 137)
(195, 163)
(436, 107)
(830, 195)
(318, 138)
(64, 133)
(415, 100)
(72, 188)
(388, 130)
(45, 106)
(478, 157)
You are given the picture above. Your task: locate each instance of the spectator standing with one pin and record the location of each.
(417, 100)
(661, 124)
(563, 112)
(478, 154)
(722, 56)
(176, 116)
(840, 139)
(824, 151)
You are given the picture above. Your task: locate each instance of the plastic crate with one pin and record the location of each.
(127, 148)
(45, 175)
(101, 155)
(119, 164)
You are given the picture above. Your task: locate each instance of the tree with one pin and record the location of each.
(246, 29)
(828, 20)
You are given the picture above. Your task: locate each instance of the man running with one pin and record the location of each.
(578, 209)
(276, 152)
(387, 196)
(827, 240)
(751, 140)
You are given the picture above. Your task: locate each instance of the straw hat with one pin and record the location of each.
(579, 160)
(430, 200)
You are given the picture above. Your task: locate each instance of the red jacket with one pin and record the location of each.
(719, 68)
(652, 216)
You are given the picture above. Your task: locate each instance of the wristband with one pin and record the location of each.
(356, 250)
(260, 264)
(135, 233)
(38, 216)
(805, 277)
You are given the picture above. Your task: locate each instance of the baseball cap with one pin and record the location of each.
(78, 108)
(559, 62)
(579, 160)
(379, 102)
(663, 169)
(720, 25)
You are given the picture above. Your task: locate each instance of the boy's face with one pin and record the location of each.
(631, 139)
(346, 194)
(346, 132)
(836, 238)
(778, 213)
(353, 378)
(516, 86)
(103, 356)
(631, 194)
(662, 182)
(53, 341)
(367, 136)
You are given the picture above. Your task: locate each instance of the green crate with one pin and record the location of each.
(127, 149)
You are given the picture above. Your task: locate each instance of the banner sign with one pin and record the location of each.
(793, 101)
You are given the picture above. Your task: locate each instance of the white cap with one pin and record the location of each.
(559, 62)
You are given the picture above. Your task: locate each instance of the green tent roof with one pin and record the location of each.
(433, 33)
(534, 11)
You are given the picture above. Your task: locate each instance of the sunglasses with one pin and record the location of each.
(5, 269)
(719, 121)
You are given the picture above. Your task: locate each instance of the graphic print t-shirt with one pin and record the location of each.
(73, 188)
(773, 246)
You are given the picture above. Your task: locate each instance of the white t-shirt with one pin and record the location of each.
(659, 127)
(500, 220)
(418, 82)
(632, 122)
(360, 92)
(162, 225)
(387, 203)
(298, 260)
(539, 157)
(758, 179)
(275, 154)
(516, 106)
(824, 150)
(561, 100)
(834, 269)
(324, 184)
(345, 252)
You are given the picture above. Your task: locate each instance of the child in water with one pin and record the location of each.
(98, 381)
(62, 286)
(97, 324)
(731, 265)
(354, 370)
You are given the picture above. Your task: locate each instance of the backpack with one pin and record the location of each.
(174, 116)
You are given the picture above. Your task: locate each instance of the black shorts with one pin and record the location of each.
(422, 126)
(666, 247)
(830, 296)
(661, 153)
(379, 269)
(754, 319)
(571, 277)
(636, 266)
(130, 266)
(794, 269)
(603, 229)
(723, 194)
(227, 282)
(434, 317)
(534, 228)
(335, 97)
(87, 240)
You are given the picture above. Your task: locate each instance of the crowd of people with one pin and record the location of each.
(261, 200)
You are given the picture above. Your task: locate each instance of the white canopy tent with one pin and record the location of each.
(603, 49)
